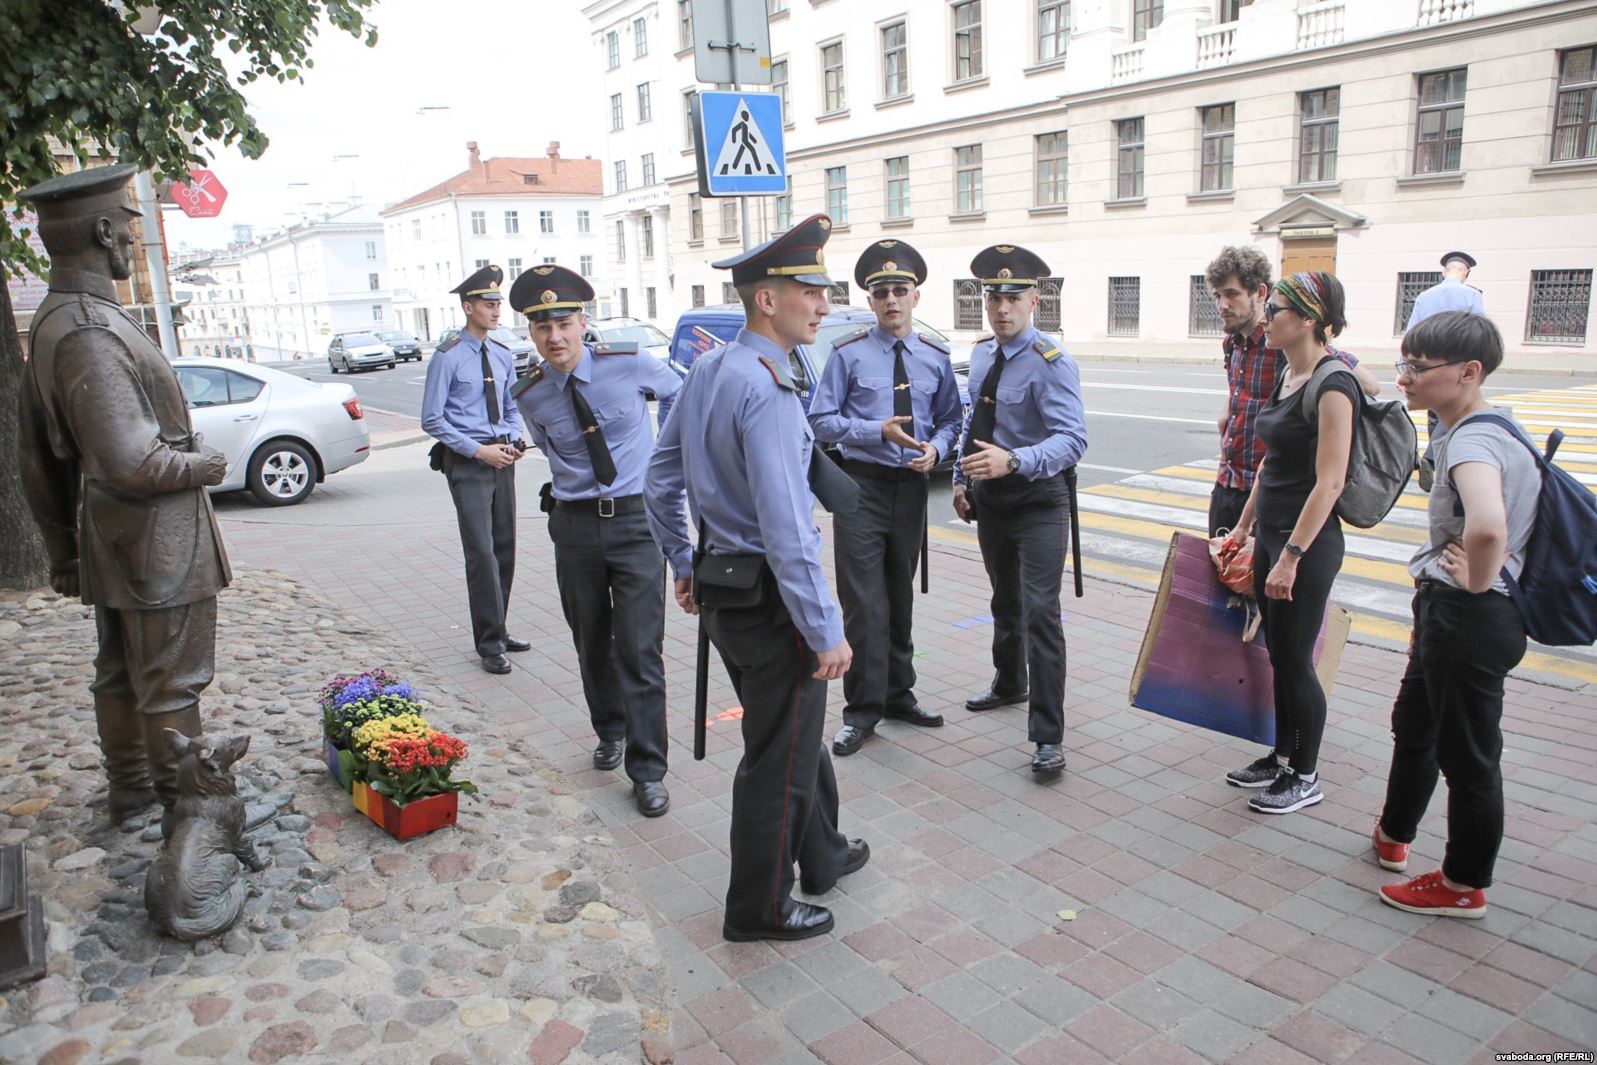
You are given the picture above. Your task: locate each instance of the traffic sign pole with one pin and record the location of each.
(732, 44)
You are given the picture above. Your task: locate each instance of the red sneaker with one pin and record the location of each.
(1428, 895)
(1393, 856)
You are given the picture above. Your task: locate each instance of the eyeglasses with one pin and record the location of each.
(884, 291)
(1273, 309)
(1409, 369)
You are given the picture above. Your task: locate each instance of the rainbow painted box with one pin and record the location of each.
(415, 818)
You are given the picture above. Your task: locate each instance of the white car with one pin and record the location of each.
(281, 434)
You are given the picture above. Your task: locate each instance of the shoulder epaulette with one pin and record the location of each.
(777, 374)
(619, 347)
(985, 337)
(446, 345)
(89, 313)
(858, 334)
(927, 338)
(524, 383)
(1048, 350)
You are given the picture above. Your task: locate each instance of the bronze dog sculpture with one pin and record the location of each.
(193, 889)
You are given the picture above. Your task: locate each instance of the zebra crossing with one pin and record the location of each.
(1126, 527)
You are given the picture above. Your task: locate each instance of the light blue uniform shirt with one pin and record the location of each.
(1040, 417)
(740, 445)
(855, 396)
(1450, 295)
(454, 409)
(614, 386)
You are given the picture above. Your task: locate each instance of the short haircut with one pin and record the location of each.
(1456, 336)
(747, 290)
(1248, 265)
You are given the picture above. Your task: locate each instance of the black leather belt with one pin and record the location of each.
(876, 471)
(606, 507)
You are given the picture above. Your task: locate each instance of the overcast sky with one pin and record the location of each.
(514, 76)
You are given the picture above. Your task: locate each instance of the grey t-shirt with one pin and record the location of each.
(1472, 441)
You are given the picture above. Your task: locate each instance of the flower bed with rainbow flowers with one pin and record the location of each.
(378, 744)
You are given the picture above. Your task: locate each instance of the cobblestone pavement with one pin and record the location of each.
(516, 935)
(1202, 933)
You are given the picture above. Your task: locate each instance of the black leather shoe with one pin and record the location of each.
(653, 799)
(991, 699)
(859, 852)
(914, 715)
(607, 755)
(849, 739)
(1050, 758)
(513, 644)
(802, 921)
(496, 663)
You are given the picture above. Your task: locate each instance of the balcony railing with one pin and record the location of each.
(1434, 11)
(1126, 63)
(1216, 45)
(1320, 23)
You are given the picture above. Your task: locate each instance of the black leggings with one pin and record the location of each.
(1290, 628)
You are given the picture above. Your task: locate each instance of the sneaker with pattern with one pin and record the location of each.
(1427, 894)
(1258, 774)
(1289, 792)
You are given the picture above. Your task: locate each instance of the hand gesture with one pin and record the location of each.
(213, 466)
(497, 455)
(835, 662)
(988, 463)
(1455, 563)
(893, 432)
(682, 588)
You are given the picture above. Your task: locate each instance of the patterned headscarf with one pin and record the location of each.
(1306, 293)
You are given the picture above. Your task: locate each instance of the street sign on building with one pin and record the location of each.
(203, 195)
(732, 42)
(740, 144)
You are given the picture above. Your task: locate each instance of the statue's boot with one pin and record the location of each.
(163, 759)
(127, 770)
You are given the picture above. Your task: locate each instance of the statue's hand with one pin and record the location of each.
(213, 466)
(64, 578)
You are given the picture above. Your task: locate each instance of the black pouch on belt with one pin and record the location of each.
(435, 457)
(730, 581)
(546, 497)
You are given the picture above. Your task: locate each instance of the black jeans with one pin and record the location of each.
(1225, 507)
(1290, 628)
(1447, 719)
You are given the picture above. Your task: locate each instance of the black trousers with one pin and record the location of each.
(1024, 532)
(485, 508)
(877, 548)
(1225, 508)
(784, 794)
(1447, 720)
(1290, 628)
(612, 590)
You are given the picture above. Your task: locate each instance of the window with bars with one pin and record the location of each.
(1128, 135)
(640, 38)
(834, 92)
(1219, 147)
(684, 24)
(1049, 318)
(1560, 302)
(895, 61)
(779, 86)
(1575, 121)
(648, 168)
(729, 292)
(1319, 119)
(837, 294)
(967, 179)
(1053, 29)
(1125, 306)
(612, 48)
(697, 297)
(896, 173)
(1145, 15)
(1203, 314)
(1053, 158)
(1439, 125)
(645, 103)
(1409, 287)
(967, 303)
(837, 194)
(967, 40)
(695, 217)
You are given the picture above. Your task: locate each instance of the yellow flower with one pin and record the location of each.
(402, 726)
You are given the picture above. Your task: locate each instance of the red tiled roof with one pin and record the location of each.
(507, 176)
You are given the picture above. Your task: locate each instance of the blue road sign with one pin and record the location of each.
(740, 144)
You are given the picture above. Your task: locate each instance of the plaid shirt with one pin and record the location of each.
(1250, 370)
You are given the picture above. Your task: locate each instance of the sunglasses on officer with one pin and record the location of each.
(896, 291)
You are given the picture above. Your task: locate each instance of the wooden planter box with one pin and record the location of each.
(414, 818)
(339, 764)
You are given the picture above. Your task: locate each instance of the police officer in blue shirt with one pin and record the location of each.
(738, 441)
(887, 397)
(588, 411)
(1026, 428)
(466, 406)
(1452, 293)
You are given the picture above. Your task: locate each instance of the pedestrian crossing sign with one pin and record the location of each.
(740, 144)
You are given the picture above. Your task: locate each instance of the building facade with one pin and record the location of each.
(517, 212)
(636, 47)
(209, 288)
(315, 279)
(1126, 141)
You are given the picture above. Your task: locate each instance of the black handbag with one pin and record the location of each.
(730, 581)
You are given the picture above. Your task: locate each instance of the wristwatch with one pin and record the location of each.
(1014, 463)
(1294, 550)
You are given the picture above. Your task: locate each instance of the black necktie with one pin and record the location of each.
(902, 404)
(490, 388)
(604, 467)
(985, 417)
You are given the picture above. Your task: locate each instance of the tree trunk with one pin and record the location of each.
(23, 563)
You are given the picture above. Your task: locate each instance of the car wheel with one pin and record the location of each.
(281, 473)
(332, 367)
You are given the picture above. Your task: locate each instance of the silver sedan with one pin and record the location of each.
(282, 435)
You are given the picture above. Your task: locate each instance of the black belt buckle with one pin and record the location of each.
(607, 508)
